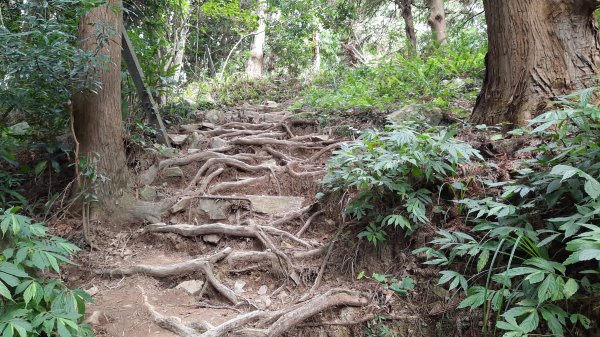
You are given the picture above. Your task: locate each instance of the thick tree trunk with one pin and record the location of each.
(254, 68)
(437, 20)
(317, 57)
(97, 116)
(409, 23)
(537, 50)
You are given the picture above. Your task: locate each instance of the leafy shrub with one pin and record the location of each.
(41, 65)
(450, 74)
(31, 303)
(235, 91)
(534, 249)
(399, 166)
(9, 181)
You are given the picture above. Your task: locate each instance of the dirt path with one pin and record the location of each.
(243, 249)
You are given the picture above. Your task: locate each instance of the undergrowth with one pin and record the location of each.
(446, 78)
(399, 166)
(256, 91)
(32, 303)
(530, 261)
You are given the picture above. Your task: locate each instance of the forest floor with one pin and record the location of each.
(245, 248)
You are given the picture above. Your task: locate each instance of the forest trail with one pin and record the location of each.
(244, 248)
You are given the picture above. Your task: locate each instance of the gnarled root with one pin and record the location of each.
(202, 264)
(265, 323)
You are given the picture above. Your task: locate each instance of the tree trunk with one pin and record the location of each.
(437, 20)
(537, 50)
(254, 68)
(178, 37)
(317, 58)
(97, 116)
(409, 23)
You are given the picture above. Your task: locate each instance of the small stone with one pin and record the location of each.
(192, 151)
(181, 205)
(211, 238)
(173, 172)
(267, 302)
(238, 286)
(192, 287)
(92, 291)
(274, 205)
(178, 139)
(190, 127)
(195, 140)
(271, 105)
(263, 290)
(148, 193)
(283, 294)
(126, 253)
(97, 318)
(147, 177)
(270, 162)
(214, 116)
(208, 125)
(215, 209)
(217, 143)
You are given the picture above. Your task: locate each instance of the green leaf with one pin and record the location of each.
(40, 167)
(592, 188)
(379, 277)
(583, 320)
(4, 292)
(483, 260)
(61, 329)
(29, 293)
(570, 288)
(531, 322)
(12, 269)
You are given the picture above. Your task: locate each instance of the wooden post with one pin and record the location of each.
(148, 103)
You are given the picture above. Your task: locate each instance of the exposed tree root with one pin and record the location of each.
(290, 169)
(270, 141)
(230, 132)
(274, 135)
(170, 323)
(362, 320)
(290, 217)
(226, 185)
(277, 154)
(231, 230)
(317, 155)
(308, 222)
(229, 161)
(202, 264)
(210, 178)
(249, 126)
(259, 323)
(200, 156)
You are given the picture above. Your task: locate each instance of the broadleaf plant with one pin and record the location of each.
(32, 303)
(397, 166)
(534, 249)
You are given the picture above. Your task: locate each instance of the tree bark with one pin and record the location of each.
(97, 116)
(254, 68)
(537, 50)
(317, 57)
(409, 23)
(437, 21)
(178, 37)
